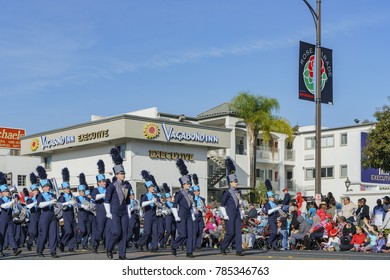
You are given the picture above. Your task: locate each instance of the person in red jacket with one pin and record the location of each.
(356, 242)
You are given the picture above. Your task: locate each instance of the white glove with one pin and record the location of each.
(193, 217)
(66, 203)
(224, 214)
(146, 203)
(274, 209)
(154, 199)
(129, 210)
(31, 205)
(175, 214)
(107, 206)
(7, 205)
(100, 196)
(46, 203)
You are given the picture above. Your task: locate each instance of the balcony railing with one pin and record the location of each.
(263, 152)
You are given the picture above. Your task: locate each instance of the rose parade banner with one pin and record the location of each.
(307, 73)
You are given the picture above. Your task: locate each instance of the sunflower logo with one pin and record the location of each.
(34, 145)
(151, 131)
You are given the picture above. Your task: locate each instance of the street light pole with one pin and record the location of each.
(317, 20)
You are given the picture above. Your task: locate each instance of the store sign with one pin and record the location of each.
(59, 141)
(93, 135)
(372, 175)
(171, 134)
(170, 155)
(10, 137)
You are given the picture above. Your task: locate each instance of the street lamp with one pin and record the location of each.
(317, 21)
(347, 184)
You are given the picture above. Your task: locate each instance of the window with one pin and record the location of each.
(122, 150)
(327, 141)
(310, 173)
(289, 175)
(47, 162)
(344, 139)
(343, 171)
(264, 174)
(326, 172)
(21, 180)
(310, 143)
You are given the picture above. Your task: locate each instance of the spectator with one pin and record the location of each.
(362, 212)
(303, 208)
(386, 223)
(349, 208)
(252, 214)
(378, 213)
(356, 242)
(341, 223)
(321, 212)
(333, 243)
(304, 228)
(329, 199)
(286, 200)
(282, 224)
(386, 202)
(298, 201)
(380, 242)
(331, 208)
(372, 234)
(348, 231)
(311, 213)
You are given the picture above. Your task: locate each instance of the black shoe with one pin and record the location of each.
(29, 246)
(71, 250)
(62, 247)
(77, 246)
(17, 252)
(190, 255)
(109, 255)
(136, 245)
(275, 249)
(123, 258)
(40, 254)
(156, 250)
(2, 254)
(140, 248)
(86, 248)
(55, 256)
(95, 248)
(162, 246)
(240, 254)
(173, 251)
(114, 252)
(223, 252)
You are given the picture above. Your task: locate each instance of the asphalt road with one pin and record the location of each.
(207, 254)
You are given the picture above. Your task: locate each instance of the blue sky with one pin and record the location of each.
(62, 61)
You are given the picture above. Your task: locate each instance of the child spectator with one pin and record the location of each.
(333, 243)
(372, 234)
(356, 242)
(380, 242)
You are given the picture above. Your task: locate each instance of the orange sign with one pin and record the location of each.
(10, 137)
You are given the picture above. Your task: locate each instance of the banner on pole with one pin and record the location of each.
(307, 73)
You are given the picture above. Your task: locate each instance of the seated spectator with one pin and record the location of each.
(252, 214)
(316, 232)
(372, 234)
(380, 242)
(348, 231)
(333, 243)
(341, 223)
(321, 212)
(332, 208)
(311, 213)
(303, 230)
(356, 242)
(348, 209)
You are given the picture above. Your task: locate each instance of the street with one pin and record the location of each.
(207, 254)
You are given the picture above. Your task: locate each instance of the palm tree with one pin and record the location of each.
(257, 113)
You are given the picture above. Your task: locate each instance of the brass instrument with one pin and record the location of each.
(89, 206)
(19, 214)
(58, 210)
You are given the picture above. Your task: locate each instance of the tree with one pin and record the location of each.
(258, 194)
(376, 154)
(257, 113)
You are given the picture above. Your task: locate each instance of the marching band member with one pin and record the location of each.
(48, 224)
(272, 211)
(134, 222)
(98, 194)
(148, 204)
(82, 216)
(160, 219)
(230, 208)
(35, 212)
(116, 204)
(199, 208)
(91, 218)
(68, 203)
(170, 223)
(184, 217)
(6, 222)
